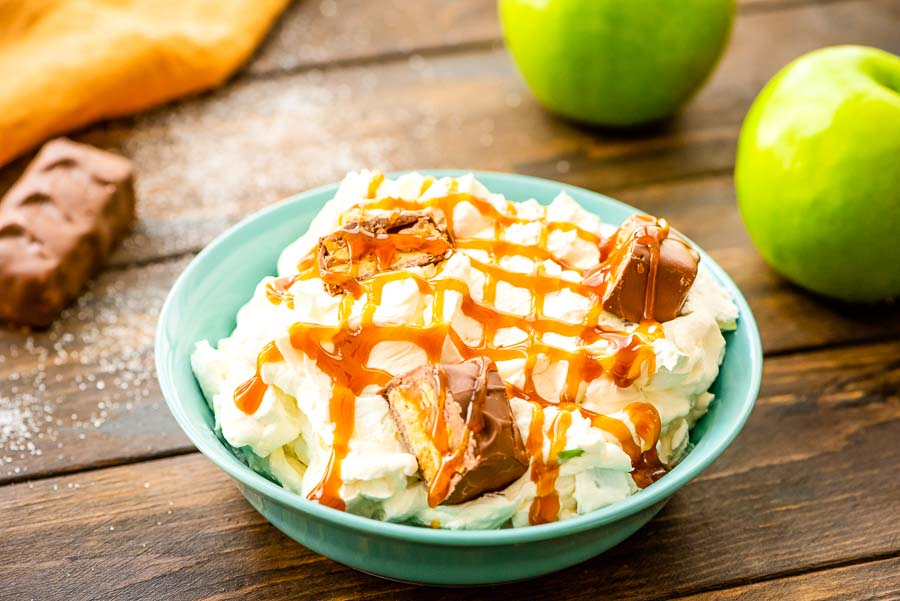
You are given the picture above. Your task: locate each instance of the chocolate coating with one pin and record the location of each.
(626, 293)
(496, 455)
(58, 223)
(476, 413)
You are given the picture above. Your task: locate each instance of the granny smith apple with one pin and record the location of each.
(615, 62)
(818, 172)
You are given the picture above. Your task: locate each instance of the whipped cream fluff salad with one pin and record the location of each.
(433, 353)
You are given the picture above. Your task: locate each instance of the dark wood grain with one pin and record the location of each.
(206, 162)
(322, 33)
(807, 484)
(865, 582)
(319, 34)
(84, 393)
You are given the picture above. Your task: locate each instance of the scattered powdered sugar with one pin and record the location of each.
(209, 160)
(60, 386)
(323, 31)
(17, 423)
(256, 141)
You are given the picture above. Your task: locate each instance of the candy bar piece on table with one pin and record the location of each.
(456, 419)
(58, 223)
(651, 270)
(370, 245)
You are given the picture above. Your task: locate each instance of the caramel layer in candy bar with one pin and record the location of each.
(57, 225)
(651, 271)
(457, 421)
(371, 245)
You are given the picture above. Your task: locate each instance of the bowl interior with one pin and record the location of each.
(205, 299)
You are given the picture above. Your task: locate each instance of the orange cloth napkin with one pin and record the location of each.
(67, 63)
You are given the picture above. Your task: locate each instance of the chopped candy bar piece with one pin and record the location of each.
(457, 421)
(372, 245)
(650, 271)
(57, 225)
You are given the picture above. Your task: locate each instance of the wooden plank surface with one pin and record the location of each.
(865, 582)
(322, 33)
(84, 393)
(777, 502)
(325, 33)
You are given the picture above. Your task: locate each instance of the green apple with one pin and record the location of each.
(616, 62)
(818, 173)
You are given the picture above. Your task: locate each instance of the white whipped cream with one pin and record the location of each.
(290, 435)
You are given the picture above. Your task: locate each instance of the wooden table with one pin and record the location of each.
(102, 497)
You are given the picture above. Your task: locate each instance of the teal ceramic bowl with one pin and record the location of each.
(203, 304)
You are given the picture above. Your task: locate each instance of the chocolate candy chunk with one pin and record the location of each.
(457, 421)
(650, 271)
(58, 223)
(371, 245)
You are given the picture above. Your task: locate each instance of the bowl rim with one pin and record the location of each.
(688, 469)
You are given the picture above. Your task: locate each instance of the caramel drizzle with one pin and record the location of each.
(374, 184)
(248, 396)
(545, 506)
(624, 357)
(502, 220)
(646, 467)
(346, 365)
(277, 291)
